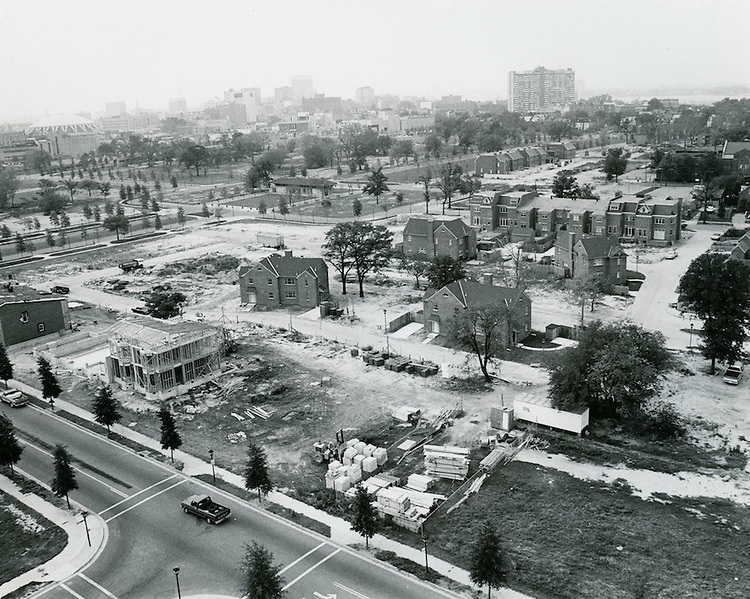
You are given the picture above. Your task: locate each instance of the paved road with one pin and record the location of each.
(149, 535)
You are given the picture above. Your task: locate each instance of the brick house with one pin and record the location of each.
(500, 212)
(441, 305)
(640, 221)
(427, 238)
(600, 257)
(486, 164)
(26, 314)
(735, 158)
(278, 281)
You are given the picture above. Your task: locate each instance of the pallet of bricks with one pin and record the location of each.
(422, 368)
(374, 358)
(445, 461)
(396, 363)
(358, 461)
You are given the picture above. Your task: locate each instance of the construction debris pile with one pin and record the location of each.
(446, 461)
(359, 460)
(399, 363)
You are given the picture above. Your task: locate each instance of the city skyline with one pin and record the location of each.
(75, 57)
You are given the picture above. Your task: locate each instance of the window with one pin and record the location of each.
(289, 281)
(307, 283)
(434, 308)
(612, 229)
(503, 222)
(290, 294)
(250, 282)
(599, 262)
(24, 317)
(40, 327)
(629, 231)
(270, 295)
(659, 220)
(409, 238)
(270, 281)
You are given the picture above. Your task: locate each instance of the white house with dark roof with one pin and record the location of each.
(285, 280)
(426, 238)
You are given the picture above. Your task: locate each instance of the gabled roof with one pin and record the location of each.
(287, 266)
(732, 147)
(569, 145)
(419, 226)
(599, 246)
(471, 293)
(515, 155)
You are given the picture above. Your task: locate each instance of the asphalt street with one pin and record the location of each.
(149, 535)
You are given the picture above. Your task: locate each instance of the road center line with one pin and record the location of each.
(71, 591)
(79, 470)
(98, 586)
(156, 484)
(311, 568)
(142, 501)
(300, 558)
(348, 590)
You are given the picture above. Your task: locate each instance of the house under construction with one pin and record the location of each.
(163, 359)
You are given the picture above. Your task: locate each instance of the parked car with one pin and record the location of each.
(204, 507)
(62, 289)
(141, 310)
(715, 236)
(14, 398)
(733, 374)
(670, 255)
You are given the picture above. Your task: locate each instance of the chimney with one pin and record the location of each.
(487, 279)
(288, 253)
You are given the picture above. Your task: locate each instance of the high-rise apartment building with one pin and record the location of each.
(302, 87)
(364, 96)
(249, 97)
(115, 108)
(541, 90)
(177, 106)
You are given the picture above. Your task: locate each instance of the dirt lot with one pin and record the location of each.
(287, 376)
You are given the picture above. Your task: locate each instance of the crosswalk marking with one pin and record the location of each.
(142, 501)
(136, 494)
(311, 568)
(97, 585)
(71, 591)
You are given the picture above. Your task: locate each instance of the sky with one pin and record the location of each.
(63, 57)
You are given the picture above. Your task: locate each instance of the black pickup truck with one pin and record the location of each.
(204, 507)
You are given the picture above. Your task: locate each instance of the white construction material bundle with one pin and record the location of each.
(369, 464)
(342, 483)
(446, 461)
(357, 459)
(381, 455)
(393, 498)
(424, 502)
(420, 482)
(360, 446)
(354, 473)
(352, 442)
(334, 465)
(368, 450)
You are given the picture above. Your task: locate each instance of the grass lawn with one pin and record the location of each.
(28, 539)
(565, 537)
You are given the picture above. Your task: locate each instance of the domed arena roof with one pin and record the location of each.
(61, 123)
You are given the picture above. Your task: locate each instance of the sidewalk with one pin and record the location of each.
(341, 532)
(76, 554)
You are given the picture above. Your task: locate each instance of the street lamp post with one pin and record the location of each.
(424, 542)
(213, 464)
(176, 571)
(385, 328)
(691, 336)
(86, 526)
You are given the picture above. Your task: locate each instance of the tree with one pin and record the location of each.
(65, 479)
(8, 188)
(106, 407)
(6, 366)
(157, 222)
(356, 207)
(259, 175)
(614, 371)
(105, 188)
(194, 156)
(487, 560)
(376, 184)
(337, 250)
(415, 267)
(165, 303)
(50, 387)
(256, 471)
(717, 289)
(426, 181)
(181, 216)
(565, 185)
(170, 438)
(365, 519)
(615, 163)
(205, 212)
(444, 270)
(484, 329)
(10, 449)
(5, 231)
(433, 145)
(283, 206)
(21, 243)
(449, 182)
(262, 207)
(72, 187)
(370, 250)
(116, 223)
(261, 578)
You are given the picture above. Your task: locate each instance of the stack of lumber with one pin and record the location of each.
(394, 502)
(446, 461)
(496, 456)
(380, 481)
(420, 482)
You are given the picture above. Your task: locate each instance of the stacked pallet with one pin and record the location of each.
(337, 476)
(397, 364)
(394, 502)
(420, 482)
(445, 461)
(380, 481)
(364, 455)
